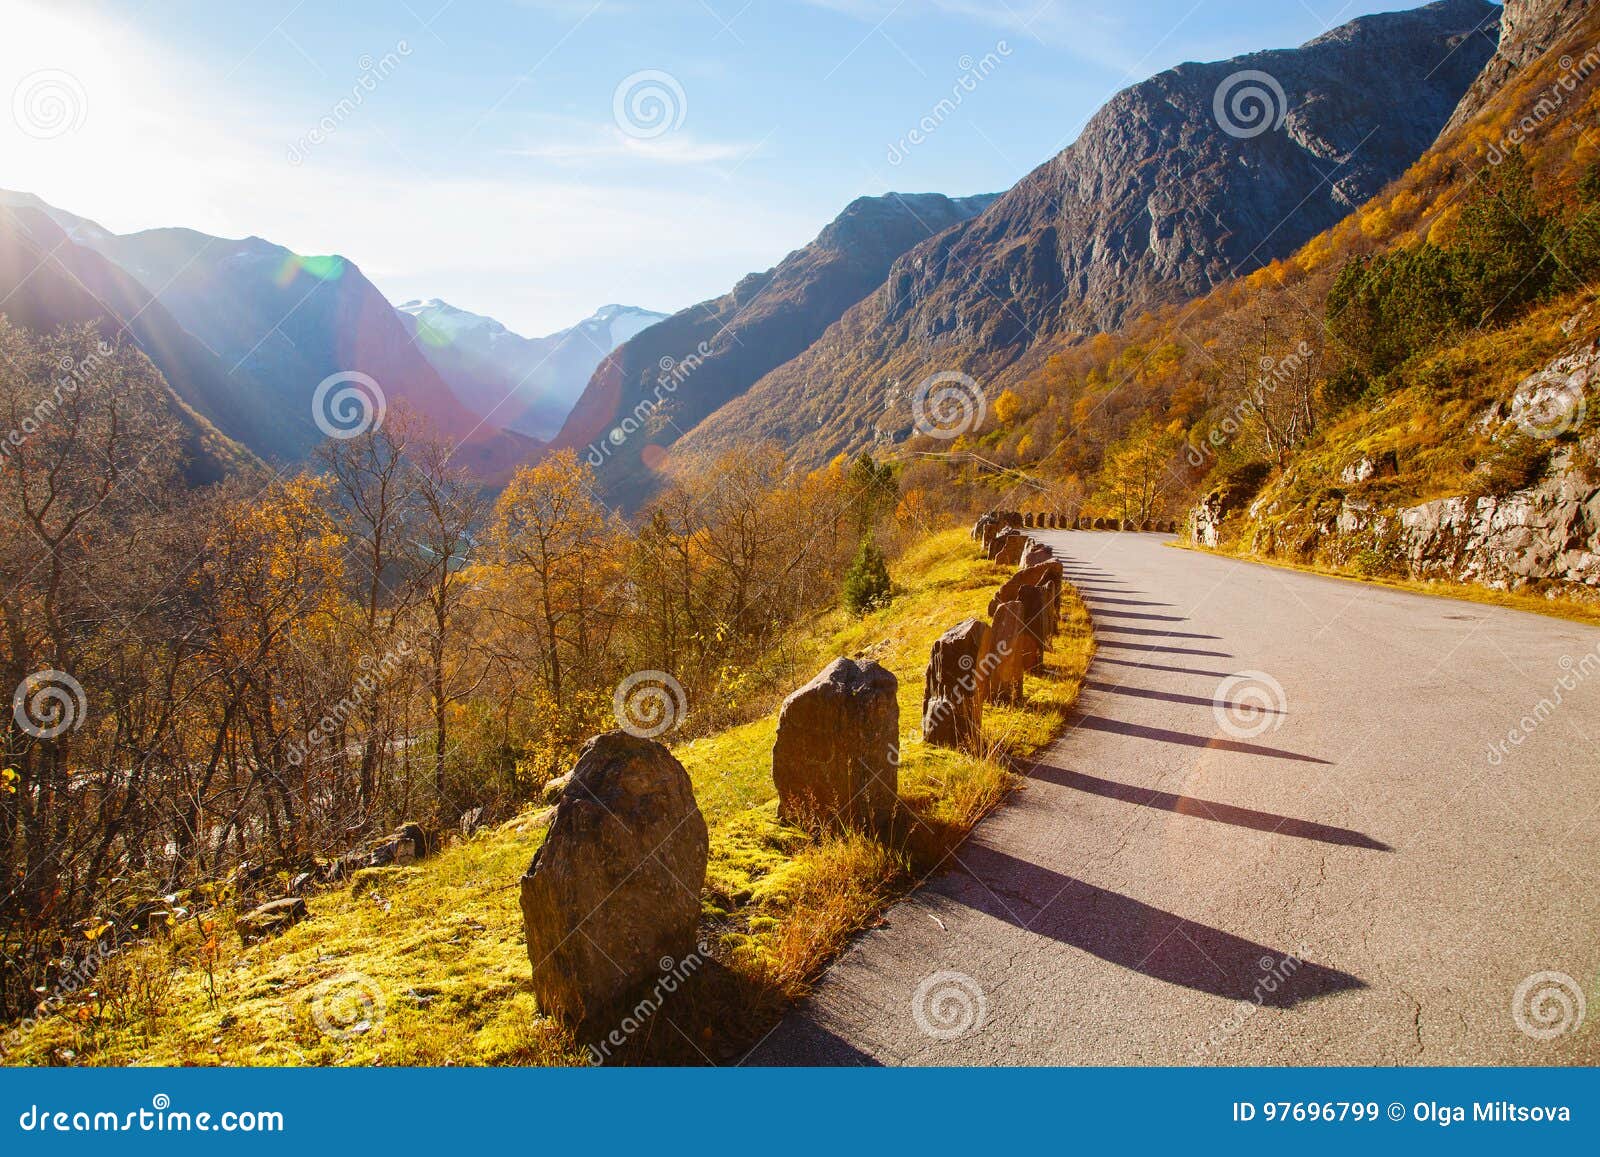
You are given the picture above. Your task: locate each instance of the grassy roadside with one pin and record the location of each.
(1555, 606)
(425, 965)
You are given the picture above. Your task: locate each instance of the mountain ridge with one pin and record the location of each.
(1156, 201)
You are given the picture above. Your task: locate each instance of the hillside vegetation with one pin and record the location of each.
(1393, 332)
(426, 964)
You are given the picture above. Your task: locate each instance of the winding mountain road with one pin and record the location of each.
(1286, 826)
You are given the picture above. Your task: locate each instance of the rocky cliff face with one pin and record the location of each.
(1527, 29)
(660, 383)
(1546, 533)
(1195, 176)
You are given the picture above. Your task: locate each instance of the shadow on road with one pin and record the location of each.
(1174, 697)
(1139, 936)
(1184, 739)
(1222, 813)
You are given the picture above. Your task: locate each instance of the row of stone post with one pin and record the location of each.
(990, 526)
(976, 661)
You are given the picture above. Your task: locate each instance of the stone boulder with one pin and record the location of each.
(838, 749)
(271, 919)
(984, 522)
(1048, 575)
(952, 691)
(1036, 554)
(1010, 646)
(614, 890)
(1009, 547)
(1036, 622)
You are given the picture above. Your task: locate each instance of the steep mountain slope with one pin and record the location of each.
(257, 329)
(290, 322)
(47, 281)
(1527, 29)
(524, 384)
(1179, 183)
(659, 384)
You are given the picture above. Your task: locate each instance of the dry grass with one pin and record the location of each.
(426, 964)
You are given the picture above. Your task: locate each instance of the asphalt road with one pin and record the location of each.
(1286, 826)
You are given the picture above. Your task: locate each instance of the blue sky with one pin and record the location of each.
(491, 161)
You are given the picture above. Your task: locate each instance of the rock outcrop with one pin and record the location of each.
(615, 887)
(1528, 28)
(836, 759)
(1546, 532)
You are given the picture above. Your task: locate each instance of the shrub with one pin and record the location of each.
(866, 583)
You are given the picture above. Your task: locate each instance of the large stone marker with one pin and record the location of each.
(1047, 575)
(615, 888)
(952, 692)
(835, 762)
(1008, 547)
(1036, 622)
(1010, 643)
